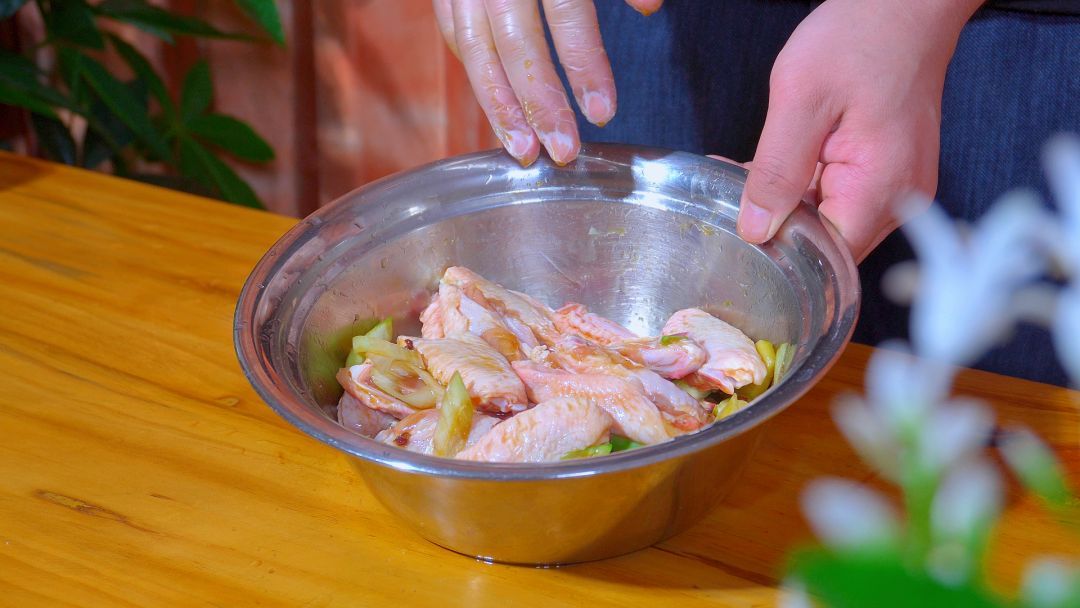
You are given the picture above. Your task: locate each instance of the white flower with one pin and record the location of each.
(1061, 160)
(868, 434)
(967, 501)
(1067, 329)
(963, 304)
(953, 431)
(902, 388)
(1051, 583)
(846, 515)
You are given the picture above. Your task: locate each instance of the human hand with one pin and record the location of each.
(857, 87)
(502, 45)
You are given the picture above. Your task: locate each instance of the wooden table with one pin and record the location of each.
(139, 468)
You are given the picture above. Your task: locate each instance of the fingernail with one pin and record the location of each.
(560, 146)
(597, 107)
(754, 222)
(521, 145)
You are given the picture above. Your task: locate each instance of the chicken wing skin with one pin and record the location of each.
(431, 319)
(671, 356)
(574, 318)
(355, 416)
(491, 382)
(678, 358)
(543, 433)
(455, 313)
(580, 356)
(633, 414)
(356, 381)
(732, 360)
(519, 310)
(416, 433)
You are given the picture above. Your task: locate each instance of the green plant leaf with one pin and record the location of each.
(9, 7)
(69, 64)
(125, 106)
(142, 68)
(160, 22)
(233, 136)
(197, 93)
(173, 182)
(13, 96)
(265, 13)
(108, 135)
(54, 139)
(880, 579)
(20, 85)
(73, 21)
(199, 163)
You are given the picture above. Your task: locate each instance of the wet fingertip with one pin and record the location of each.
(530, 155)
(598, 108)
(646, 7)
(561, 147)
(520, 143)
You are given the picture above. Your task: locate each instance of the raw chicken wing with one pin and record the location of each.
(583, 357)
(417, 432)
(576, 319)
(354, 415)
(520, 311)
(455, 313)
(733, 361)
(681, 356)
(634, 415)
(492, 384)
(356, 381)
(673, 360)
(543, 433)
(431, 320)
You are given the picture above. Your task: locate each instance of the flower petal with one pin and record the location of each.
(846, 515)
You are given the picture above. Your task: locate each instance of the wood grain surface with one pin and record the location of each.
(138, 467)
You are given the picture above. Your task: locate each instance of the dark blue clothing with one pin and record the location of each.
(695, 75)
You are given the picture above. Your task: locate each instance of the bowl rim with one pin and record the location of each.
(299, 414)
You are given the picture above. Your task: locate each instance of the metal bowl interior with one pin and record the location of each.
(633, 233)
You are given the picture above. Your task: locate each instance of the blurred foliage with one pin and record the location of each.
(83, 114)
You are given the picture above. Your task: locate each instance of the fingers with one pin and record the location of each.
(813, 191)
(490, 84)
(861, 199)
(444, 16)
(576, 34)
(645, 7)
(846, 203)
(785, 161)
(519, 38)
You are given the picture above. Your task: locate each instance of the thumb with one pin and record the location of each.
(783, 165)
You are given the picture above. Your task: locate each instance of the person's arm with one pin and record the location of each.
(502, 44)
(857, 88)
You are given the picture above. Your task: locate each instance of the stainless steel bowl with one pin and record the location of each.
(635, 234)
